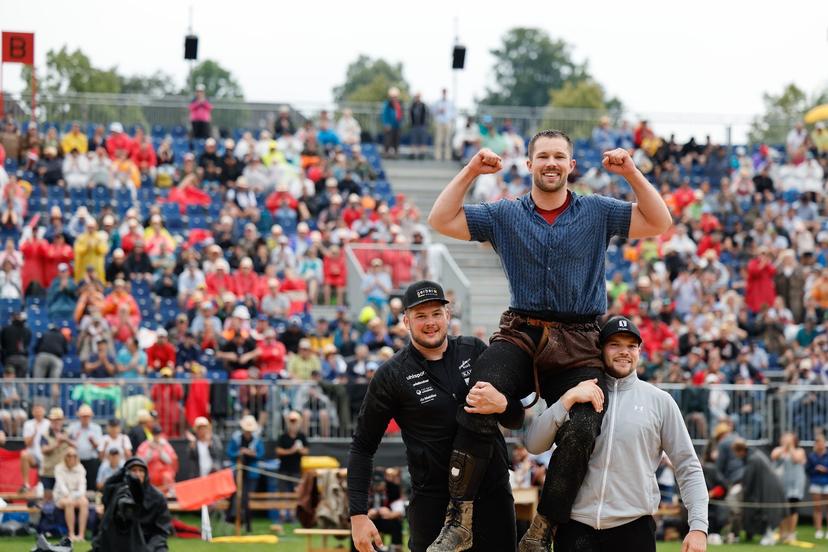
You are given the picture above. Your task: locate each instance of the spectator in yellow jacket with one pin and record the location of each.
(74, 140)
(90, 249)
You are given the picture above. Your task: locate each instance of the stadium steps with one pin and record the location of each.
(421, 182)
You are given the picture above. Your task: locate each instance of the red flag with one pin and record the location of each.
(10, 477)
(195, 493)
(18, 48)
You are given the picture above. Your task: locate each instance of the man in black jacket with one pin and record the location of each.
(136, 517)
(14, 344)
(421, 387)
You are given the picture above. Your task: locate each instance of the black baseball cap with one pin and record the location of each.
(615, 325)
(423, 292)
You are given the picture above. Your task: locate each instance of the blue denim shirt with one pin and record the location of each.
(556, 267)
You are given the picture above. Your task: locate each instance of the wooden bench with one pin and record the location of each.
(324, 533)
(273, 501)
(174, 506)
(18, 508)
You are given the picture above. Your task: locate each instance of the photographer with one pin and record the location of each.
(135, 517)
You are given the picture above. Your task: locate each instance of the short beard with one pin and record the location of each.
(538, 182)
(426, 345)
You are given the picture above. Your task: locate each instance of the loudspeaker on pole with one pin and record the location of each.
(191, 47)
(458, 57)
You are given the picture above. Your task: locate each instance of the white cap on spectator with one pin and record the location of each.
(116, 127)
(336, 198)
(331, 182)
(161, 332)
(229, 144)
(201, 421)
(241, 312)
(353, 198)
(304, 344)
(241, 182)
(206, 305)
(221, 264)
(302, 228)
(210, 142)
(200, 87)
(276, 229)
(63, 267)
(247, 262)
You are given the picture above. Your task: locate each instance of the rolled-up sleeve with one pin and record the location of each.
(618, 215)
(480, 219)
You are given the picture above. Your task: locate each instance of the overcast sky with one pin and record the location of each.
(705, 56)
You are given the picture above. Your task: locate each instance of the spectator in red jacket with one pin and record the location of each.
(401, 262)
(335, 275)
(161, 354)
(118, 139)
(57, 252)
(143, 154)
(659, 336)
(710, 242)
(760, 290)
(353, 211)
(34, 250)
(272, 354)
(274, 200)
(219, 281)
(246, 282)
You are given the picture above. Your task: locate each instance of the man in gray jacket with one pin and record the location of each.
(614, 507)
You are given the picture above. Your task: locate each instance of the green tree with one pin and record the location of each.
(219, 83)
(368, 80)
(528, 65)
(72, 72)
(585, 94)
(158, 84)
(781, 112)
(68, 73)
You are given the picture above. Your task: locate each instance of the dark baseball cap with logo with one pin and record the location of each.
(616, 325)
(423, 292)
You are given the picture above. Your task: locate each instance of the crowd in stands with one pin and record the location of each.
(151, 254)
(145, 253)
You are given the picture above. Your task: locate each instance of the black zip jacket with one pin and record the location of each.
(423, 398)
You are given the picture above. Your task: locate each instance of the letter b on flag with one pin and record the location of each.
(18, 48)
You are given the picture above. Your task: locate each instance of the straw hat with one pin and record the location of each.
(56, 413)
(249, 423)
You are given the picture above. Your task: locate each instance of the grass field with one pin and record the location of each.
(290, 543)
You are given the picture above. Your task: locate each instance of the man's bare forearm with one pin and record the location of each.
(446, 214)
(651, 206)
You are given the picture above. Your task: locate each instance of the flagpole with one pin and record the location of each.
(239, 490)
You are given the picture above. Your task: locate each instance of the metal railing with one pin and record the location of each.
(326, 414)
(431, 261)
(803, 409)
(749, 407)
(171, 111)
(759, 412)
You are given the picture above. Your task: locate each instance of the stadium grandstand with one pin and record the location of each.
(257, 271)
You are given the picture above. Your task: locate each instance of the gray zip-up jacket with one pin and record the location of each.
(640, 423)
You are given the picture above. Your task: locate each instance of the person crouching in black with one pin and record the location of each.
(136, 517)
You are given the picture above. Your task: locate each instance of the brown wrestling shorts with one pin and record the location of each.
(560, 345)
